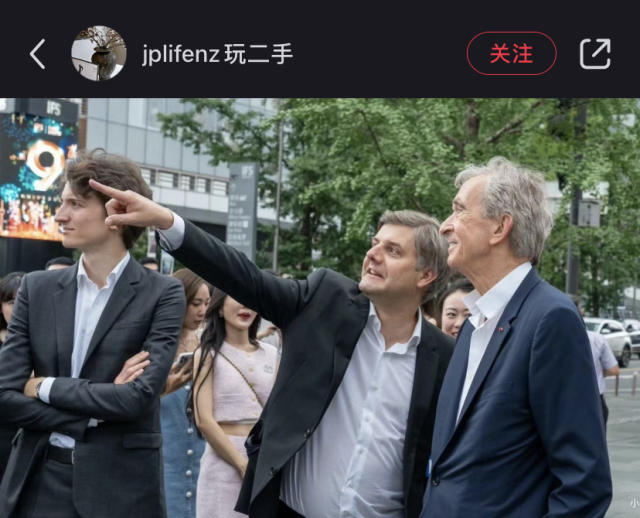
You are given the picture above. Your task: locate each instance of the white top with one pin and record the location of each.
(90, 303)
(486, 310)
(603, 358)
(352, 464)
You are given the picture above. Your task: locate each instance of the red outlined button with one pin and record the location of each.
(511, 53)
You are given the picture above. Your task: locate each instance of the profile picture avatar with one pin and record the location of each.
(98, 53)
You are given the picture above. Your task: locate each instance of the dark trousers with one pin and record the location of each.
(285, 511)
(605, 410)
(48, 492)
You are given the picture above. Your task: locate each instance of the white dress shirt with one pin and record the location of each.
(352, 465)
(486, 310)
(90, 303)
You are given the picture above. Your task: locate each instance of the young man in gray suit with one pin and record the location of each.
(89, 443)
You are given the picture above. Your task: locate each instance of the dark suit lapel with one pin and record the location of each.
(446, 425)
(424, 381)
(499, 336)
(64, 311)
(347, 336)
(449, 398)
(122, 294)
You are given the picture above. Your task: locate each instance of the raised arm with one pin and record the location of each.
(276, 299)
(123, 402)
(15, 371)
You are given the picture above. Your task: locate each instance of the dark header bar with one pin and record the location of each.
(491, 52)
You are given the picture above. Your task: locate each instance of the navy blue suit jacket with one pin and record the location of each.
(530, 440)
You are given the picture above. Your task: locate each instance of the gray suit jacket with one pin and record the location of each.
(117, 465)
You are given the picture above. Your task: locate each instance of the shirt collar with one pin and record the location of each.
(415, 337)
(113, 276)
(490, 304)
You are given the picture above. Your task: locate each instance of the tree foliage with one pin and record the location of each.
(347, 160)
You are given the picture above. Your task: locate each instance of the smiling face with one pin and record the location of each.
(236, 315)
(467, 231)
(197, 308)
(389, 267)
(454, 313)
(82, 221)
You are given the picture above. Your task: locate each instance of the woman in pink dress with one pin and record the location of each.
(233, 374)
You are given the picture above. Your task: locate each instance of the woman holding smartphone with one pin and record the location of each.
(234, 374)
(181, 446)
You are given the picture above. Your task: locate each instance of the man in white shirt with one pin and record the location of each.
(89, 443)
(347, 428)
(518, 428)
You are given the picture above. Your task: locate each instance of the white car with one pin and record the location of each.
(633, 328)
(618, 339)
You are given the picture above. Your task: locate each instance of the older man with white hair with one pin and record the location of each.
(519, 430)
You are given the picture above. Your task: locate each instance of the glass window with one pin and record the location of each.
(166, 179)
(203, 185)
(154, 149)
(136, 143)
(591, 326)
(156, 106)
(96, 134)
(137, 112)
(188, 182)
(219, 188)
(118, 110)
(116, 138)
(97, 108)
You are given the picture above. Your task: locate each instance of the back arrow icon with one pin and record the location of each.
(33, 53)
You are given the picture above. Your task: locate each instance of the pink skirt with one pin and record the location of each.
(219, 483)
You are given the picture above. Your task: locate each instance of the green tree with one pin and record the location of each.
(348, 160)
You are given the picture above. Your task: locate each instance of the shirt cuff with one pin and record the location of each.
(45, 389)
(172, 238)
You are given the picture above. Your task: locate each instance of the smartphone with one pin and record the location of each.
(184, 358)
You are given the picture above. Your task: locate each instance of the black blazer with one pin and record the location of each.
(117, 467)
(322, 318)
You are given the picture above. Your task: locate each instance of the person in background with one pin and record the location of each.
(234, 374)
(604, 361)
(149, 262)
(58, 263)
(181, 445)
(452, 308)
(8, 288)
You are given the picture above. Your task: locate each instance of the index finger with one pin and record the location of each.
(138, 357)
(109, 191)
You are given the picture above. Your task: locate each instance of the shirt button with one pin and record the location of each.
(189, 430)
(189, 494)
(250, 369)
(189, 452)
(188, 473)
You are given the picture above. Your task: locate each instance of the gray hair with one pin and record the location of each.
(519, 192)
(431, 247)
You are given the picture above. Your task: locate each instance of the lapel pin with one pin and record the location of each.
(500, 329)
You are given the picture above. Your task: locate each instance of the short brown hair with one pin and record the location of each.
(111, 170)
(431, 247)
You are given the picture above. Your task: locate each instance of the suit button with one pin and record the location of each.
(435, 480)
(273, 471)
(188, 473)
(189, 452)
(307, 434)
(188, 494)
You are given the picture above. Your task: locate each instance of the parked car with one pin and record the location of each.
(618, 339)
(633, 328)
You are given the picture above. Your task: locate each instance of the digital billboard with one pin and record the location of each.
(33, 152)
